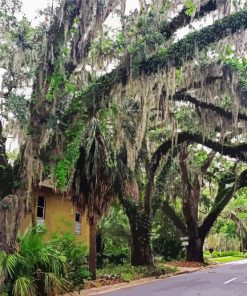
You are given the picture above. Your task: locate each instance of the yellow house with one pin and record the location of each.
(56, 212)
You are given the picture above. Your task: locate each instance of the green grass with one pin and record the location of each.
(128, 273)
(227, 259)
(217, 254)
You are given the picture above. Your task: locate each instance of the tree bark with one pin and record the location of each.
(92, 250)
(141, 252)
(195, 249)
(11, 213)
(140, 226)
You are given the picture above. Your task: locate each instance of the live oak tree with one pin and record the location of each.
(155, 71)
(154, 75)
(63, 46)
(191, 194)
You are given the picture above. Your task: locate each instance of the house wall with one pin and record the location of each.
(59, 215)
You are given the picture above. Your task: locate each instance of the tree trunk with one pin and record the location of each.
(140, 226)
(141, 252)
(195, 249)
(11, 213)
(92, 250)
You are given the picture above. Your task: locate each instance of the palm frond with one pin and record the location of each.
(8, 263)
(24, 286)
(54, 284)
(92, 186)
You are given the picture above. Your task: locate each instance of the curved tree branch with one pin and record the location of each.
(175, 55)
(172, 215)
(221, 200)
(183, 19)
(184, 49)
(207, 162)
(234, 151)
(182, 96)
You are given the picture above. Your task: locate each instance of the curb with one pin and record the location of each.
(115, 287)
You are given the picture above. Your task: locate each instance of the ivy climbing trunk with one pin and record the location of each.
(140, 226)
(141, 252)
(92, 250)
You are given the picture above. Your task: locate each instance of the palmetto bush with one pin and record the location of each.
(37, 268)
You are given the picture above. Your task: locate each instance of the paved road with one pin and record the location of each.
(227, 280)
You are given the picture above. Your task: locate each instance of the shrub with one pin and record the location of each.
(116, 254)
(43, 268)
(225, 254)
(76, 254)
(36, 269)
(165, 240)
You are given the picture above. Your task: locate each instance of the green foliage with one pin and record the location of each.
(26, 271)
(24, 286)
(18, 105)
(236, 63)
(40, 268)
(64, 165)
(24, 34)
(128, 273)
(227, 259)
(61, 172)
(226, 103)
(165, 239)
(60, 85)
(76, 254)
(176, 54)
(190, 7)
(116, 236)
(226, 254)
(179, 76)
(159, 135)
(187, 119)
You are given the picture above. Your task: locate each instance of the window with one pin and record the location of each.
(78, 217)
(77, 223)
(41, 207)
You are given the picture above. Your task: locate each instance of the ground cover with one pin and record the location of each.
(112, 274)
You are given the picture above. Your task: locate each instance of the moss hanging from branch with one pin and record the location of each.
(185, 49)
(175, 56)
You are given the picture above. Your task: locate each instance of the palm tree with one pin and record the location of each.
(92, 186)
(36, 269)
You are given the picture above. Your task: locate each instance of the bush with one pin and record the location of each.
(43, 268)
(226, 253)
(76, 254)
(116, 237)
(116, 254)
(166, 242)
(217, 254)
(37, 268)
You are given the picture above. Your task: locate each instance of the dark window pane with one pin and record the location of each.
(78, 217)
(41, 201)
(40, 212)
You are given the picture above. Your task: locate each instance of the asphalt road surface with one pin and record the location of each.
(227, 280)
